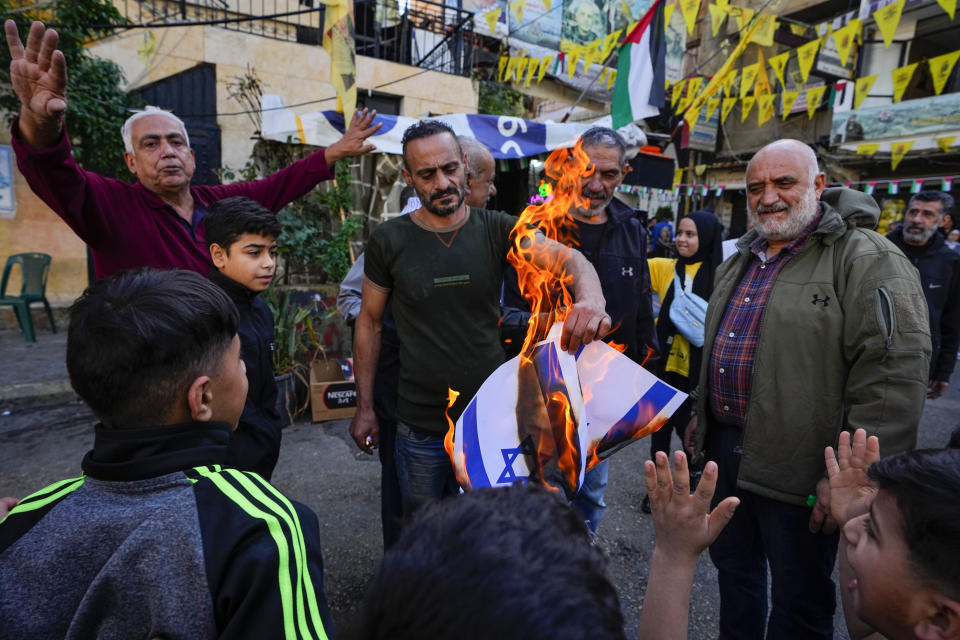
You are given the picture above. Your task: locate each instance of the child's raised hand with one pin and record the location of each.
(851, 490)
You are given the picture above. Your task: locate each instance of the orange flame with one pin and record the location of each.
(449, 438)
(545, 415)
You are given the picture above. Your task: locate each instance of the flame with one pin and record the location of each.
(545, 416)
(448, 441)
(619, 347)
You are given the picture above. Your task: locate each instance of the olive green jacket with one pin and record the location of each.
(844, 342)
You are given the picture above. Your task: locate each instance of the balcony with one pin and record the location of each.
(419, 33)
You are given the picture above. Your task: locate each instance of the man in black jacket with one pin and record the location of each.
(614, 240)
(940, 276)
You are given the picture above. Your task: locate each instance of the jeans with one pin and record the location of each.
(589, 500)
(424, 470)
(765, 532)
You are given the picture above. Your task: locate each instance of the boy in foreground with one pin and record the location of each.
(242, 239)
(156, 539)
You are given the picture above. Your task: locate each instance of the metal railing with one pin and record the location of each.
(420, 33)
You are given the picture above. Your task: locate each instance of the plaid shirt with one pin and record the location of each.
(735, 345)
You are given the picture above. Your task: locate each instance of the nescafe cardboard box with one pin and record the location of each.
(331, 396)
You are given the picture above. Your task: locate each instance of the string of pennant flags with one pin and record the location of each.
(890, 187)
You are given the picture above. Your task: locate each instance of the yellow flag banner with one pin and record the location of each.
(798, 29)
(692, 115)
(339, 43)
(572, 56)
(728, 80)
(779, 65)
(814, 98)
(723, 5)
(742, 16)
(544, 65)
(603, 76)
(762, 84)
(611, 79)
(897, 151)
(492, 18)
(693, 86)
(712, 105)
(547, 5)
(511, 69)
(746, 105)
(667, 14)
(502, 67)
(765, 108)
(867, 149)
(950, 6)
(845, 37)
(686, 101)
(517, 7)
(677, 92)
(532, 65)
(522, 64)
(747, 77)
(901, 79)
(590, 54)
(887, 20)
(789, 99)
(677, 177)
(690, 9)
(805, 56)
(864, 85)
(610, 43)
(717, 15)
(726, 107)
(940, 68)
(945, 143)
(768, 26)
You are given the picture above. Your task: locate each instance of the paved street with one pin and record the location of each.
(322, 468)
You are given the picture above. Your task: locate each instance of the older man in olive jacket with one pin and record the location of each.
(815, 325)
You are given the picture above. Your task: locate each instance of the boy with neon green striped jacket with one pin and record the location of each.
(157, 538)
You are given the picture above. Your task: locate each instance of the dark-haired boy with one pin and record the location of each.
(156, 539)
(242, 238)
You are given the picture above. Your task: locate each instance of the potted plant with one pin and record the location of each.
(293, 338)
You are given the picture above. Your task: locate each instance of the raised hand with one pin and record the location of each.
(851, 490)
(39, 77)
(681, 522)
(352, 142)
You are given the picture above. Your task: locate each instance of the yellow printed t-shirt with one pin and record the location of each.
(661, 277)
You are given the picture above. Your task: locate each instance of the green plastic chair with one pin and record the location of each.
(34, 269)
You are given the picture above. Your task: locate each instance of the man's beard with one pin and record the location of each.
(917, 235)
(437, 210)
(593, 213)
(797, 220)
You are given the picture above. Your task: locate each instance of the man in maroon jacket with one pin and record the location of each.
(154, 222)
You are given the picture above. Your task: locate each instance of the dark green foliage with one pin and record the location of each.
(500, 100)
(96, 105)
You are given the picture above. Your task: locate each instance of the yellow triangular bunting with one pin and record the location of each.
(676, 93)
(726, 107)
(901, 80)
(692, 115)
(945, 142)
(717, 15)
(521, 67)
(746, 105)
(728, 81)
(765, 108)
(798, 29)
(532, 65)
(762, 84)
(764, 33)
(693, 86)
(492, 18)
(517, 7)
(940, 68)
(789, 98)
(747, 77)
(742, 15)
(611, 79)
(511, 69)
(950, 6)
(544, 65)
(897, 151)
(502, 67)
(844, 39)
(590, 54)
(814, 98)
(547, 5)
(572, 56)
(712, 104)
(887, 20)
(867, 149)
(690, 9)
(805, 56)
(864, 85)
(667, 14)
(779, 64)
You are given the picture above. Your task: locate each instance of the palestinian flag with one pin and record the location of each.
(639, 90)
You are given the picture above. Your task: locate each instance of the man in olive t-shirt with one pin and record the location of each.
(443, 265)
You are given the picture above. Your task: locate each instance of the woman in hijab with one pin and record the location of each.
(662, 244)
(699, 248)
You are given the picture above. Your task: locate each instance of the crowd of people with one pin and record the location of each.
(812, 345)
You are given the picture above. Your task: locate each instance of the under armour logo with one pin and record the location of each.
(817, 300)
(626, 271)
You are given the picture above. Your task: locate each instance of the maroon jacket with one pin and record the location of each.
(127, 226)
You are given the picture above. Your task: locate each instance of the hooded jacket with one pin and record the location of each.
(844, 344)
(939, 269)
